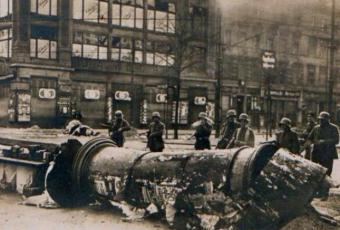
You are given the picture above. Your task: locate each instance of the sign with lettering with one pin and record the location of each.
(122, 96)
(47, 93)
(200, 100)
(92, 94)
(161, 98)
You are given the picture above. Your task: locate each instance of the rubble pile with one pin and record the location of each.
(244, 188)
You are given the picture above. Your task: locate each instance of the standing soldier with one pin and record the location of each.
(287, 138)
(155, 133)
(325, 137)
(118, 127)
(228, 130)
(203, 128)
(244, 136)
(309, 127)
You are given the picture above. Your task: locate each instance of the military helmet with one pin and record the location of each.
(286, 121)
(244, 116)
(202, 115)
(324, 115)
(156, 114)
(118, 113)
(231, 113)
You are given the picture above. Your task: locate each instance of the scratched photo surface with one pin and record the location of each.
(169, 114)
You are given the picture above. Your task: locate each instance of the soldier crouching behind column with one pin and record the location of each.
(244, 136)
(155, 133)
(287, 138)
(118, 127)
(325, 137)
(203, 128)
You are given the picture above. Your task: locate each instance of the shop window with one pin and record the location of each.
(5, 8)
(91, 10)
(88, 45)
(160, 59)
(150, 58)
(45, 7)
(128, 13)
(161, 22)
(6, 43)
(151, 19)
(43, 43)
(161, 16)
(127, 50)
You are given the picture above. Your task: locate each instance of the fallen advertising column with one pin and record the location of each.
(241, 188)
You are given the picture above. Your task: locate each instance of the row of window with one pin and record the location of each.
(5, 8)
(45, 7)
(160, 15)
(43, 48)
(126, 49)
(6, 43)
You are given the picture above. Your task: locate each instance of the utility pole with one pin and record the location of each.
(218, 75)
(331, 79)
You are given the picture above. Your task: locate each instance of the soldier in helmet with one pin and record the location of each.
(325, 137)
(118, 127)
(228, 130)
(287, 138)
(244, 136)
(203, 128)
(155, 133)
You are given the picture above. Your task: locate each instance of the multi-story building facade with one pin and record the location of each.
(299, 34)
(97, 56)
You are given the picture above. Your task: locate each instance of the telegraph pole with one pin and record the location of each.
(331, 79)
(218, 75)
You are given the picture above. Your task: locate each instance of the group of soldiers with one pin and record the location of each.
(318, 141)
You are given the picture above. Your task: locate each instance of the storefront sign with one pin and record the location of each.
(161, 98)
(282, 93)
(92, 94)
(47, 93)
(200, 100)
(122, 96)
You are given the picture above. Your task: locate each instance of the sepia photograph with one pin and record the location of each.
(169, 114)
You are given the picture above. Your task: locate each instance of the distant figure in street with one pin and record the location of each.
(286, 138)
(203, 128)
(155, 133)
(244, 136)
(309, 127)
(77, 128)
(228, 130)
(118, 127)
(325, 137)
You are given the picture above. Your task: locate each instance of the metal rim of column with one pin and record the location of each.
(81, 164)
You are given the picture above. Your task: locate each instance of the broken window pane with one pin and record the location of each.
(103, 14)
(77, 9)
(90, 38)
(126, 55)
(161, 21)
(160, 59)
(139, 17)
(126, 43)
(43, 7)
(128, 15)
(151, 19)
(172, 23)
(76, 50)
(91, 10)
(138, 44)
(116, 14)
(115, 41)
(43, 48)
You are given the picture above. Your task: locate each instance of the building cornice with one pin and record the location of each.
(31, 66)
